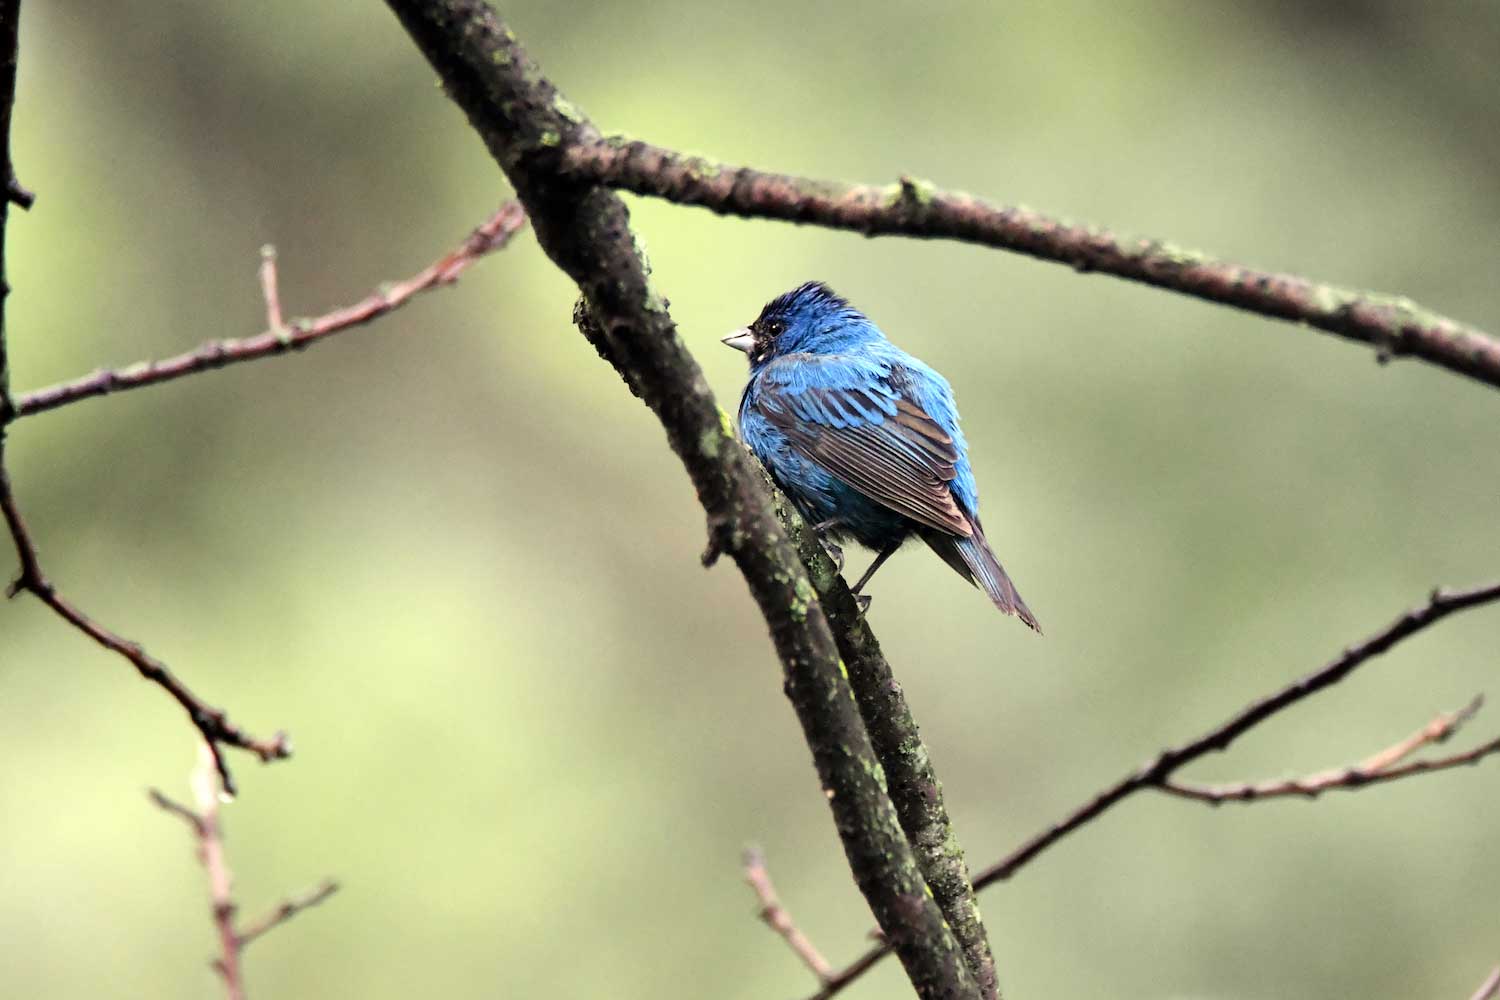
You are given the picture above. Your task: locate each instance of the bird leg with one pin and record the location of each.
(864, 599)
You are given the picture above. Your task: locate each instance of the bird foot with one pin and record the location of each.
(863, 600)
(834, 550)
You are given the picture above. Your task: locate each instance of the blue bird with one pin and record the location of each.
(863, 438)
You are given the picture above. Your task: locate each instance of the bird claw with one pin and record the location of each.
(834, 550)
(863, 601)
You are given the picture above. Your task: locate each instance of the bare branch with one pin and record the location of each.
(1439, 730)
(212, 723)
(1490, 988)
(208, 834)
(1394, 326)
(776, 916)
(910, 777)
(165, 804)
(1157, 772)
(269, 291)
(493, 235)
(1440, 605)
(204, 823)
(1382, 766)
(287, 909)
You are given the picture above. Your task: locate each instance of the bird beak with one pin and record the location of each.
(741, 340)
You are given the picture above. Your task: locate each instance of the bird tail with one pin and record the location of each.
(972, 559)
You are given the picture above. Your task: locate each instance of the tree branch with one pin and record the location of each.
(1490, 988)
(913, 784)
(1157, 772)
(10, 17)
(1383, 766)
(208, 833)
(776, 916)
(1393, 325)
(286, 910)
(526, 124)
(210, 722)
(280, 337)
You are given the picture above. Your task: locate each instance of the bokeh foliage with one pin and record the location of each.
(455, 559)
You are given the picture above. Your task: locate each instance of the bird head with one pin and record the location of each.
(810, 319)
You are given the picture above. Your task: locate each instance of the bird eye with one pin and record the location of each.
(775, 328)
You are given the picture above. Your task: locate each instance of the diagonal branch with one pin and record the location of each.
(286, 910)
(1157, 772)
(1440, 605)
(526, 123)
(914, 786)
(776, 917)
(1393, 325)
(1490, 988)
(212, 723)
(281, 337)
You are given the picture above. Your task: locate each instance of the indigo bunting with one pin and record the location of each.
(863, 438)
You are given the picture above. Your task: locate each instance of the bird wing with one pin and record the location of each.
(845, 414)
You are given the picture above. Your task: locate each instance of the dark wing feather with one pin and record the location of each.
(904, 461)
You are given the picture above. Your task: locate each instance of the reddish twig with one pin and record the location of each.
(1157, 772)
(287, 909)
(493, 235)
(212, 723)
(1394, 326)
(1490, 988)
(208, 833)
(1382, 766)
(777, 918)
(268, 290)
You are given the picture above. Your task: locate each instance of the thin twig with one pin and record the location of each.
(1382, 766)
(1159, 770)
(1440, 605)
(204, 822)
(1393, 325)
(268, 290)
(192, 819)
(776, 916)
(1490, 988)
(493, 235)
(1439, 730)
(208, 834)
(212, 723)
(287, 909)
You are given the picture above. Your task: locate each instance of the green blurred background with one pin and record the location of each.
(454, 558)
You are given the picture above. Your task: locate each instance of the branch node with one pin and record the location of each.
(18, 195)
